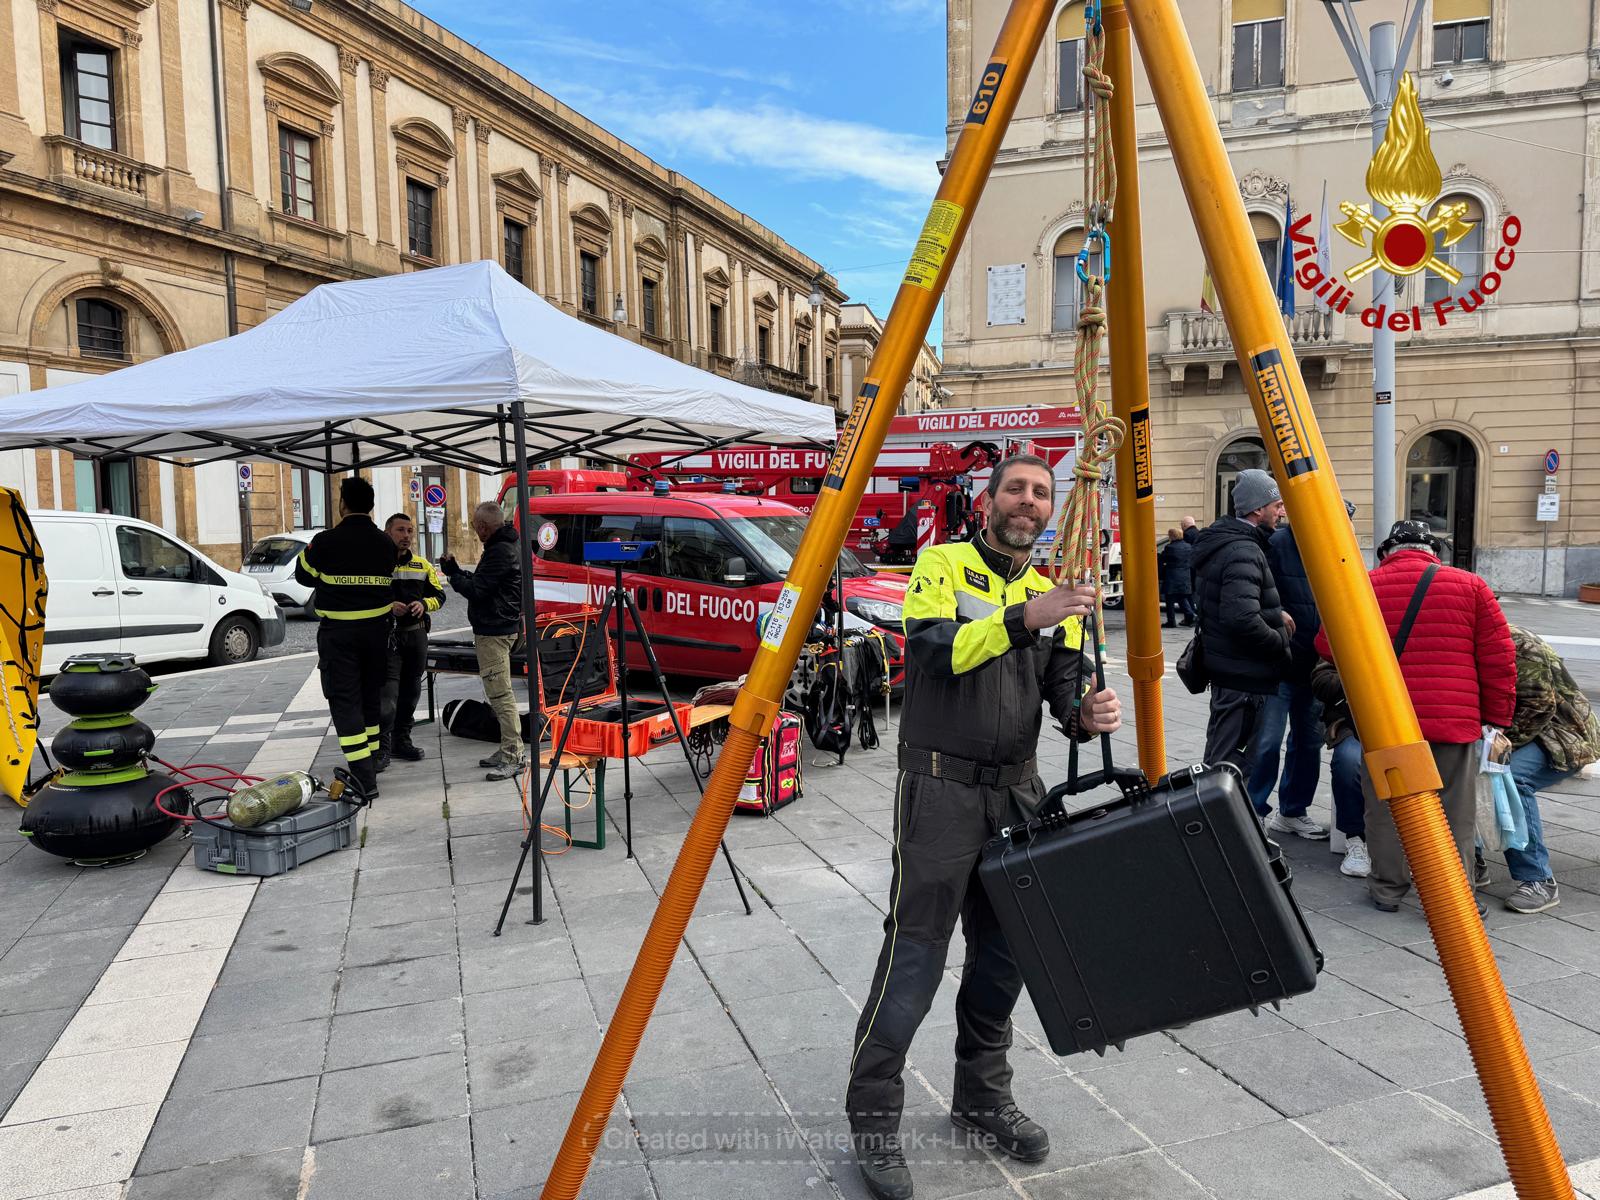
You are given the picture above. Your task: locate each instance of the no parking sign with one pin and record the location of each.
(435, 496)
(416, 489)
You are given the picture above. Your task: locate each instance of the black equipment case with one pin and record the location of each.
(1166, 906)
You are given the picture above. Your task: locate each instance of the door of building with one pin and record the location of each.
(1442, 492)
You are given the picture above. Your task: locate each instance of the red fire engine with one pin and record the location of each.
(918, 496)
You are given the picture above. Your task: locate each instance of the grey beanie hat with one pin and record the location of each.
(1254, 489)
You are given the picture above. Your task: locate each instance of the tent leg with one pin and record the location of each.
(1399, 763)
(1130, 400)
(530, 628)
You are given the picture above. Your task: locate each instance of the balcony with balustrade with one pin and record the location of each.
(72, 161)
(1201, 339)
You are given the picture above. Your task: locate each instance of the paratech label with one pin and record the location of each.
(1283, 409)
(778, 622)
(939, 231)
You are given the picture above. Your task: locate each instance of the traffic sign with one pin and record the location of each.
(1552, 462)
(246, 478)
(1550, 507)
(435, 496)
(416, 489)
(1550, 482)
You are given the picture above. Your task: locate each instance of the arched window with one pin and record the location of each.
(1069, 58)
(1067, 298)
(102, 328)
(1465, 256)
(1269, 240)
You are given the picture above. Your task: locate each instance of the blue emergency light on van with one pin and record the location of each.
(612, 552)
(730, 486)
(661, 487)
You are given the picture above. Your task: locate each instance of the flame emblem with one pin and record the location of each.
(1404, 177)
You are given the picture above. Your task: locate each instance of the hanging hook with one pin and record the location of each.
(1104, 240)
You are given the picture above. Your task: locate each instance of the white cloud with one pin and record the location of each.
(655, 58)
(797, 143)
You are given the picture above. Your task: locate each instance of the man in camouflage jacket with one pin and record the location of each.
(1554, 734)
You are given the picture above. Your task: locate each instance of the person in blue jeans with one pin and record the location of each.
(1554, 734)
(1293, 708)
(1349, 802)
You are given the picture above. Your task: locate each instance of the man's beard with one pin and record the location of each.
(1019, 539)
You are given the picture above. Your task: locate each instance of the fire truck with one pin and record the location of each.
(1053, 432)
(917, 495)
(926, 487)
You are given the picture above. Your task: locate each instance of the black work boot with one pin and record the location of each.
(1007, 1130)
(883, 1165)
(406, 752)
(366, 776)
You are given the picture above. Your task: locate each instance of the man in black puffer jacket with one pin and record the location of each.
(494, 608)
(1243, 627)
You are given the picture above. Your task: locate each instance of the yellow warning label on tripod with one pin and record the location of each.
(927, 260)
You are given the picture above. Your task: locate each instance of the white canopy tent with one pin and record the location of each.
(422, 365)
(461, 366)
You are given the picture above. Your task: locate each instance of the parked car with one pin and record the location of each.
(121, 584)
(716, 569)
(271, 564)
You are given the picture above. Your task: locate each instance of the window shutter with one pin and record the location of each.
(1460, 10)
(1261, 10)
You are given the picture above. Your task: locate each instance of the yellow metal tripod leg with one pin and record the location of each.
(1130, 401)
(1401, 765)
(994, 100)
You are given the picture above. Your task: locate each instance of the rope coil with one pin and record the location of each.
(1075, 554)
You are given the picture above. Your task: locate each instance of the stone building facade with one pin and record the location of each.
(860, 331)
(172, 171)
(1512, 92)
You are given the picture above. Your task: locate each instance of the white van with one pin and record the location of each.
(271, 564)
(121, 584)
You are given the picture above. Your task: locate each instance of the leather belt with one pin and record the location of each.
(963, 770)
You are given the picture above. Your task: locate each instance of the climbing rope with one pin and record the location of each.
(1075, 554)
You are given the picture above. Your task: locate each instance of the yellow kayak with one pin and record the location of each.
(23, 588)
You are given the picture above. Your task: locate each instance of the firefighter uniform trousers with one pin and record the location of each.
(403, 683)
(940, 827)
(353, 657)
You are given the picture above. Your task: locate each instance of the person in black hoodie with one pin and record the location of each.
(494, 609)
(1243, 627)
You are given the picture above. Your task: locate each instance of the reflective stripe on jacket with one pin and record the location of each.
(351, 566)
(977, 678)
(415, 579)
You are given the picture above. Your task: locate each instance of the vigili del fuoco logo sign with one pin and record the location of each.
(1403, 176)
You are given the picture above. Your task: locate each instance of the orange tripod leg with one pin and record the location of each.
(1401, 765)
(1130, 400)
(860, 441)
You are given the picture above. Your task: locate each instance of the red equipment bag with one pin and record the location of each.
(774, 779)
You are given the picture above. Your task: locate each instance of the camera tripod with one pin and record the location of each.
(619, 601)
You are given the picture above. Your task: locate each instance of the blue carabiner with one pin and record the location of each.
(1103, 238)
(1093, 17)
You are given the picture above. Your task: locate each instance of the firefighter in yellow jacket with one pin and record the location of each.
(417, 596)
(351, 568)
(989, 643)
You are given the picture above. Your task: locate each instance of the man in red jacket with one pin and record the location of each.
(1460, 669)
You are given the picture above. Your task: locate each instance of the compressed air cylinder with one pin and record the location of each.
(261, 802)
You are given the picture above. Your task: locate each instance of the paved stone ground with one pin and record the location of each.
(352, 1030)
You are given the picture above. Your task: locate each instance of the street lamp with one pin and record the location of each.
(1375, 72)
(619, 314)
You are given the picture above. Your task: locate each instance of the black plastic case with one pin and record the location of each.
(1167, 906)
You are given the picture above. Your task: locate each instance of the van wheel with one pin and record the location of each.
(235, 640)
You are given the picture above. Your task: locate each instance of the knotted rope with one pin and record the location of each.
(1075, 554)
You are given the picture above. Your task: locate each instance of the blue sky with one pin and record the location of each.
(822, 121)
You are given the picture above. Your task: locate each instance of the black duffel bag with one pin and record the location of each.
(474, 719)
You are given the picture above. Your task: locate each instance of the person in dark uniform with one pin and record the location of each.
(417, 596)
(989, 642)
(351, 568)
